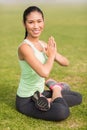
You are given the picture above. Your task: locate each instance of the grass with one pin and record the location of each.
(69, 27)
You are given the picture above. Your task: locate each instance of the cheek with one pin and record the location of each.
(29, 27)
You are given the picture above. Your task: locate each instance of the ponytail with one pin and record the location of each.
(26, 33)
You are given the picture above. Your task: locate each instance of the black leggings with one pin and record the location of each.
(59, 107)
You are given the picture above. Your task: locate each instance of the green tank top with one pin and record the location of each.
(30, 81)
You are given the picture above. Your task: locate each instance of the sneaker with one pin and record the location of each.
(41, 102)
(50, 83)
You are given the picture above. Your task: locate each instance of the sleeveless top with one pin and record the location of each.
(30, 81)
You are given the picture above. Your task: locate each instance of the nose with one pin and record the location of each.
(35, 25)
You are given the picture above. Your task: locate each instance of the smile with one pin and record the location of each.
(36, 31)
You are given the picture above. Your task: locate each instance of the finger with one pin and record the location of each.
(52, 42)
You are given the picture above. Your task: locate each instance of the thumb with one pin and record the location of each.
(45, 49)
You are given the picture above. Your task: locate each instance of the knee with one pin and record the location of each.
(79, 98)
(62, 113)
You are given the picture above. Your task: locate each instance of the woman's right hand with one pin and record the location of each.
(51, 48)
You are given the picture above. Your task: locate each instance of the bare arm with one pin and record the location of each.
(26, 53)
(61, 60)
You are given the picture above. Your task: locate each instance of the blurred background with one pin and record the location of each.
(66, 20)
(43, 1)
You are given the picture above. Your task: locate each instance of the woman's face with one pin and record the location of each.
(34, 24)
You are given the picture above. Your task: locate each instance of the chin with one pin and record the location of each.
(36, 36)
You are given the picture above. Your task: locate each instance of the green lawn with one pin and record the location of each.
(69, 27)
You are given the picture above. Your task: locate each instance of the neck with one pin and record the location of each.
(34, 40)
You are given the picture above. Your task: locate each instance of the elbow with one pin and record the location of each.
(45, 74)
(67, 63)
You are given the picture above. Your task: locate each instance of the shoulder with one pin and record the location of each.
(23, 46)
(24, 50)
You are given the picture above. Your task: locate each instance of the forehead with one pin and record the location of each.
(34, 15)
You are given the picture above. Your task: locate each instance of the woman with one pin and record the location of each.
(36, 59)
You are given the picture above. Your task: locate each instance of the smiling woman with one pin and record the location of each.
(34, 24)
(36, 59)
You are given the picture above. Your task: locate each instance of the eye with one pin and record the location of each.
(30, 22)
(39, 21)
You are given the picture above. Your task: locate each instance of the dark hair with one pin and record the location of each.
(28, 11)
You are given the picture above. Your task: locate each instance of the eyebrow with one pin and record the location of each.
(33, 19)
